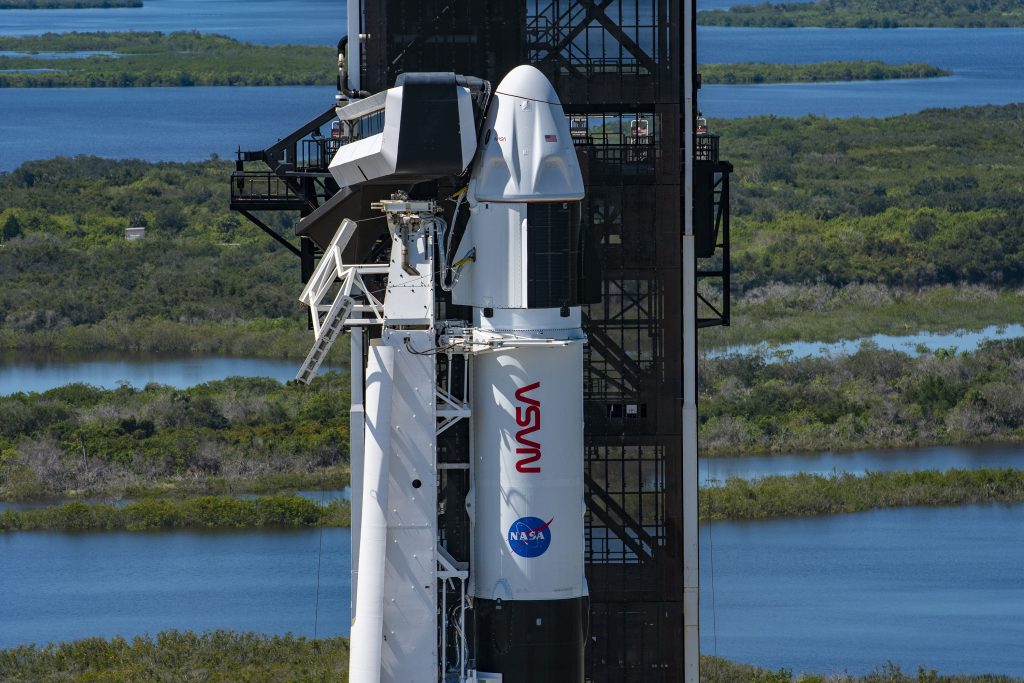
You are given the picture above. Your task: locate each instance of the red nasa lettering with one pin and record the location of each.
(527, 417)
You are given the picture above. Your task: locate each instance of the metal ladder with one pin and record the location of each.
(331, 327)
(327, 272)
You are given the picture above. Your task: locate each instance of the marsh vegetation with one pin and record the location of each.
(236, 435)
(871, 399)
(802, 495)
(200, 512)
(151, 59)
(257, 658)
(745, 73)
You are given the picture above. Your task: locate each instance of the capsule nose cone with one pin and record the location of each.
(528, 82)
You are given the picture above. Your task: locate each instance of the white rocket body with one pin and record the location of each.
(520, 272)
(527, 401)
(528, 476)
(527, 398)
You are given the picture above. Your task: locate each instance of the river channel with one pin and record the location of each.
(178, 124)
(941, 587)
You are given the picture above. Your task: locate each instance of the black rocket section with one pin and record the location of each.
(532, 641)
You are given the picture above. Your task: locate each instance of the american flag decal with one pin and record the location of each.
(550, 138)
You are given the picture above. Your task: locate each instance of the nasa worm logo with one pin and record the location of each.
(527, 417)
(530, 536)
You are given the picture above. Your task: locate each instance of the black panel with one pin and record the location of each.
(430, 142)
(705, 231)
(590, 288)
(553, 254)
(485, 38)
(532, 641)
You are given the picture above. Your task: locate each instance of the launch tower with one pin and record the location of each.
(622, 71)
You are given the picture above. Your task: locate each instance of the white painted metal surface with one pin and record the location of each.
(528, 460)
(357, 423)
(524, 377)
(496, 237)
(377, 156)
(528, 155)
(368, 625)
(410, 290)
(410, 582)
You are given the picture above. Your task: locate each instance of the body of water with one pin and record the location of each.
(987, 68)
(959, 341)
(714, 471)
(940, 587)
(64, 586)
(41, 374)
(155, 124)
(177, 124)
(304, 22)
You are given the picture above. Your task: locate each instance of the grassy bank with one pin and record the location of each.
(68, 4)
(871, 399)
(256, 658)
(219, 656)
(746, 73)
(235, 435)
(771, 497)
(148, 59)
(203, 512)
(871, 14)
(803, 495)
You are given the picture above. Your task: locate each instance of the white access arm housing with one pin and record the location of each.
(421, 129)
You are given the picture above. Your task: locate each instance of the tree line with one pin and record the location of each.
(803, 494)
(202, 512)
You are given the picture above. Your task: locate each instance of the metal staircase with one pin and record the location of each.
(332, 327)
(329, 319)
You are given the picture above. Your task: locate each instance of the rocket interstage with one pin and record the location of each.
(512, 603)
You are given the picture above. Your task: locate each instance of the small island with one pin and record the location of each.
(747, 73)
(68, 4)
(151, 59)
(871, 14)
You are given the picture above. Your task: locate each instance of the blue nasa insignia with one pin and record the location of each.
(530, 536)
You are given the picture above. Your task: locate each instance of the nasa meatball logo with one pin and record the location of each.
(530, 536)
